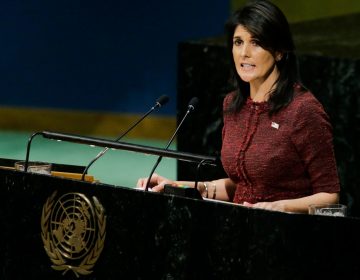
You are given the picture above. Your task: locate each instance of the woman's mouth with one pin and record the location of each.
(247, 66)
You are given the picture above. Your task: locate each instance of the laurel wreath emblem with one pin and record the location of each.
(58, 260)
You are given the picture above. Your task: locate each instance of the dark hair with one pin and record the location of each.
(265, 22)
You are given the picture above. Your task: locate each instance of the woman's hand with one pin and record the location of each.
(297, 205)
(156, 184)
(279, 205)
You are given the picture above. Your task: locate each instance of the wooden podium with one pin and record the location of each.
(61, 228)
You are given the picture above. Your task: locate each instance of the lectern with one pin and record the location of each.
(64, 228)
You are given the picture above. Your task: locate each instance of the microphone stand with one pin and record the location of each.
(197, 175)
(210, 160)
(193, 101)
(161, 101)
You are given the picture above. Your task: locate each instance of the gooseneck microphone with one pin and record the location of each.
(161, 101)
(193, 102)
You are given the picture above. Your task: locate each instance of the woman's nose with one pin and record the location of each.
(245, 50)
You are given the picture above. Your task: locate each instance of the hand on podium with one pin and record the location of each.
(162, 184)
(156, 184)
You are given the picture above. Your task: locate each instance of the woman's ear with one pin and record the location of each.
(278, 56)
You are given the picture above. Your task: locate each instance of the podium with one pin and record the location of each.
(62, 228)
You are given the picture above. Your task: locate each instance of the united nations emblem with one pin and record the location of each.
(73, 232)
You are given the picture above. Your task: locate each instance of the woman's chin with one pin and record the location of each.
(246, 78)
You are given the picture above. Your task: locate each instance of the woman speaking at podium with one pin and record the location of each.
(277, 143)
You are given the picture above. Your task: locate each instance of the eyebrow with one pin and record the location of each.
(251, 38)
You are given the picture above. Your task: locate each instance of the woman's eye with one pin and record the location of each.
(237, 42)
(255, 43)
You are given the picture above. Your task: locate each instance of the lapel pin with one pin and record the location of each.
(275, 125)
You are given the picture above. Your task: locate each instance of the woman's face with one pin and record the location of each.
(253, 63)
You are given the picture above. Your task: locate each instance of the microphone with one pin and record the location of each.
(161, 101)
(193, 102)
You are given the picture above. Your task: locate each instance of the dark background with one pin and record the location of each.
(98, 55)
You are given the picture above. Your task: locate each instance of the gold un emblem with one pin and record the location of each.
(73, 232)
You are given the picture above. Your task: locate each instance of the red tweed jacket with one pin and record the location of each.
(285, 156)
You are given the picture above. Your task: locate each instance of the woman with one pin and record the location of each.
(277, 140)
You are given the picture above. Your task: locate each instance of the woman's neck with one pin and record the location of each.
(260, 90)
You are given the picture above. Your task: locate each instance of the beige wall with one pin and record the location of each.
(302, 10)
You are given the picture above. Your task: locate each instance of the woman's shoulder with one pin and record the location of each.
(229, 99)
(304, 99)
(307, 107)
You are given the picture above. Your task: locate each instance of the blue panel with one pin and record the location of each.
(98, 55)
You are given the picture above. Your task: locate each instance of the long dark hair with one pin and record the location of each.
(265, 22)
